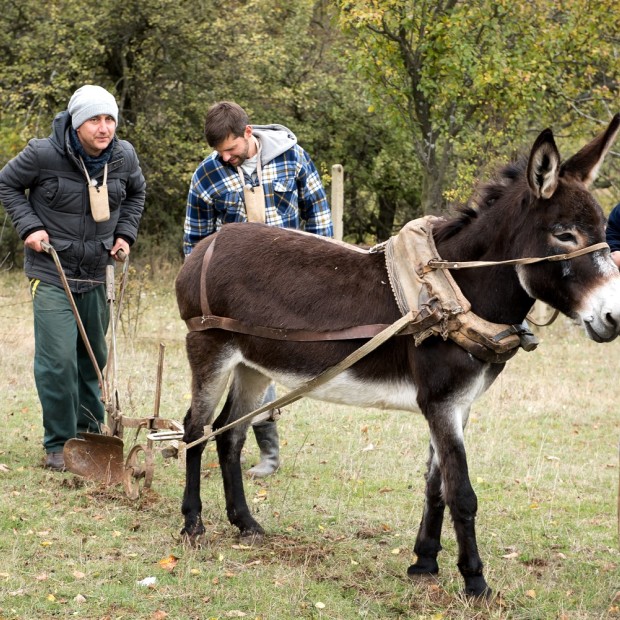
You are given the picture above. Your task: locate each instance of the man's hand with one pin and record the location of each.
(33, 240)
(615, 256)
(120, 244)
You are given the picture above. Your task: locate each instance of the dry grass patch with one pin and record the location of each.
(342, 513)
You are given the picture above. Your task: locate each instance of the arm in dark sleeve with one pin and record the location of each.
(19, 175)
(133, 205)
(613, 229)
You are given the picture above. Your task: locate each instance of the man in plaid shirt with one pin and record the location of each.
(256, 173)
(294, 195)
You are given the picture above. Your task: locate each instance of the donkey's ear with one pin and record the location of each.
(543, 167)
(584, 165)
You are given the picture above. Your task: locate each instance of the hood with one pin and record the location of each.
(274, 139)
(60, 124)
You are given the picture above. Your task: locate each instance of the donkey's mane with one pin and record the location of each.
(485, 195)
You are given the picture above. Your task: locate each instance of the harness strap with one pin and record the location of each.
(444, 264)
(204, 302)
(423, 319)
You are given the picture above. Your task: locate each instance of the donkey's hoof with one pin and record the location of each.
(476, 588)
(424, 567)
(192, 540)
(252, 538)
(193, 534)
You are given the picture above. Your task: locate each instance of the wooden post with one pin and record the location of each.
(337, 199)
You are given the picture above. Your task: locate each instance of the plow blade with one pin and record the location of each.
(96, 457)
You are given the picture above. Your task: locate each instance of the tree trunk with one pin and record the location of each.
(387, 213)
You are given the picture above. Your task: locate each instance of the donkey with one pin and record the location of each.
(536, 207)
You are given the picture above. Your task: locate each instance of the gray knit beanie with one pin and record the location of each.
(89, 101)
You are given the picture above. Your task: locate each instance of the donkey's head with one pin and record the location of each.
(567, 218)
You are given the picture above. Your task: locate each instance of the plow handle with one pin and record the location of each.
(63, 278)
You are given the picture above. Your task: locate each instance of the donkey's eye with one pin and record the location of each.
(566, 237)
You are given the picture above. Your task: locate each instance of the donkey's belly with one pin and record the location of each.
(349, 389)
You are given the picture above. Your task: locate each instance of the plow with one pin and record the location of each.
(103, 457)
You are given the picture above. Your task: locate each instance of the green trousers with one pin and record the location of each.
(66, 380)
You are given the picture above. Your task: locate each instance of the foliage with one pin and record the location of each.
(468, 80)
(166, 62)
(412, 98)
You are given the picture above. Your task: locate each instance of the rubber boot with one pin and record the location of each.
(267, 438)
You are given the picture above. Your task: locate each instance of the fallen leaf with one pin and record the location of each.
(4, 468)
(235, 613)
(80, 598)
(78, 574)
(511, 556)
(159, 615)
(42, 577)
(396, 551)
(319, 605)
(169, 563)
(369, 447)
(530, 593)
(51, 598)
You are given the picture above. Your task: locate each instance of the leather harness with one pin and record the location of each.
(424, 290)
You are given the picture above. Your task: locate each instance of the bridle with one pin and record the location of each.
(444, 264)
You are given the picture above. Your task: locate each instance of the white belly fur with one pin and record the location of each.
(346, 389)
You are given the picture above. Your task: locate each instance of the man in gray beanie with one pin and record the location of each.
(82, 191)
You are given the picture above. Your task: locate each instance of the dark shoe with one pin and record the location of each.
(55, 461)
(269, 444)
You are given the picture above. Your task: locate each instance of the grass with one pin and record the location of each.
(341, 515)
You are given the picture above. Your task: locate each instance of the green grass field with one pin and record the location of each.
(342, 513)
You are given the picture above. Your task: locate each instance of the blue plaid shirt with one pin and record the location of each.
(293, 194)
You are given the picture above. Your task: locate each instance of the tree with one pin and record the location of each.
(466, 79)
(166, 61)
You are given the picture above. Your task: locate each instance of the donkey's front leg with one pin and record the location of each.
(427, 544)
(447, 440)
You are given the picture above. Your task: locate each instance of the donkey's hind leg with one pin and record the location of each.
(245, 394)
(210, 376)
(427, 545)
